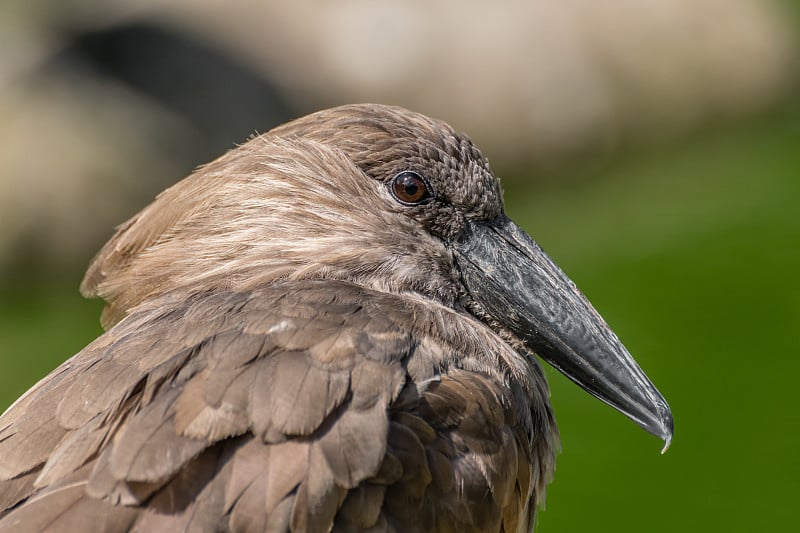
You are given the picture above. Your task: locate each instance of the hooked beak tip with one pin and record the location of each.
(669, 427)
(660, 422)
(667, 442)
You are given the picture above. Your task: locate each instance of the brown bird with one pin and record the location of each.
(331, 327)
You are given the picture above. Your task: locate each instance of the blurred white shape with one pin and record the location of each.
(521, 76)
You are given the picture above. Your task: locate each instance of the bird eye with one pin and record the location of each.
(410, 188)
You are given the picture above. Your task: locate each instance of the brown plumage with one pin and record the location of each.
(291, 345)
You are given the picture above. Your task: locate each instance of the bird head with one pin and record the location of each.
(385, 198)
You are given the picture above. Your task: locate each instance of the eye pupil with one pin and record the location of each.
(410, 188)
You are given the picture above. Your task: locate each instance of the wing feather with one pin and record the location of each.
(140, 421)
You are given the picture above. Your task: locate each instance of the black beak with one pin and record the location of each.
(512, 278)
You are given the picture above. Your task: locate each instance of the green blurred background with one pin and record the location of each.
(690, 248)
(692, 253)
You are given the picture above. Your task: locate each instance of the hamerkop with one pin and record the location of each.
(330, 327)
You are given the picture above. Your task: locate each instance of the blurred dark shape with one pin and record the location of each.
(220, 98)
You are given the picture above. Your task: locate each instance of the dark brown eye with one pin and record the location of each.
(410, 188)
